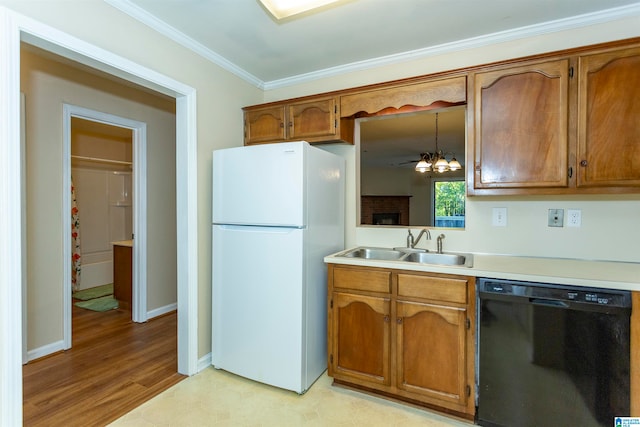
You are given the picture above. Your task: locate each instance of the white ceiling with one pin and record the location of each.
(242, 37)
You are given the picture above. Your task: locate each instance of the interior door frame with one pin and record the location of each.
(139, 285)
(14, 29)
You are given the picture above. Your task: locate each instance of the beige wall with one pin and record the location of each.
(47, 85)
(220, 97)
(609, 223)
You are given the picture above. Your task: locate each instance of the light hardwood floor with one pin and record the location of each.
(113, 366)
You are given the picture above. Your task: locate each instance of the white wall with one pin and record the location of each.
(609, 223)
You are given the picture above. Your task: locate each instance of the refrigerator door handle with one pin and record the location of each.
(257, 228)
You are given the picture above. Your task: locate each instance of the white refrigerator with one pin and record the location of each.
(278, 210)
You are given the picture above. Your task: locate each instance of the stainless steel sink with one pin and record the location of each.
(375, 253)
(440, 259)
(420, 256)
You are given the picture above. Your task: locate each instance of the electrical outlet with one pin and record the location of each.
(574, 217)
(556, 217)
(499, 217)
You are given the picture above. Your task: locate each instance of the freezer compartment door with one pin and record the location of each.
(257, 303)
(260, 185)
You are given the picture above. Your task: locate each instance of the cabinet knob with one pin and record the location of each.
(399, 320)
(386, 319)
(583, 163)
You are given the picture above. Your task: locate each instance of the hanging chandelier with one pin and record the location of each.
(436, 161)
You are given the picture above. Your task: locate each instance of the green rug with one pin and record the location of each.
(97, 292)
(105, 303)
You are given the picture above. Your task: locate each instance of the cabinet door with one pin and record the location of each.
(521, 126)
(609, 119)
(431, 352)
(264, 125)
(312, 120)
(122, 274)
(361, 339)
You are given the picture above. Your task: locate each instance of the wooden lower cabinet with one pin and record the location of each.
(122, 275)
(430, 349)
(409, 335)
(361, 338)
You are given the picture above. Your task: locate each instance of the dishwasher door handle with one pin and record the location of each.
(549, 302)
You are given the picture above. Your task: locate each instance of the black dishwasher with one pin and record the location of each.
(552, 355)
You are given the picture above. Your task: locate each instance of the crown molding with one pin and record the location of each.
(179, 37)
(578, 21)
(470, 43)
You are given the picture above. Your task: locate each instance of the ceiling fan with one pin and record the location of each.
(435, 161)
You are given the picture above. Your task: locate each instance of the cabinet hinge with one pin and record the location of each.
(467, 323)
(331, 359)
(571, 72)
(468, 390)
(335, 123)
(331, 304)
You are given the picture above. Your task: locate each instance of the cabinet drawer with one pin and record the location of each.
(362, 280)
(435, 288)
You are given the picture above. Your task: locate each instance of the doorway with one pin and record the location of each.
(103, 204)
(136, 160)
(15, 28)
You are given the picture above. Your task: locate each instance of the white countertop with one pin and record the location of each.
(123, 243)
(601, 274)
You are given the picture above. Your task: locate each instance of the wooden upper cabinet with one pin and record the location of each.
(609, 119)
(521, 118)
(311, 120)
(450, 90)
(264, 124)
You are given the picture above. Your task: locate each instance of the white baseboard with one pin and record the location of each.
(45, 350)
(162, 310)
(204, 362)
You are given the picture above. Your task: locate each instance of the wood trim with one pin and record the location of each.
(452, 90)
(635, 355)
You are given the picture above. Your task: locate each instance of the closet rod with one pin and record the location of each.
(99, 160)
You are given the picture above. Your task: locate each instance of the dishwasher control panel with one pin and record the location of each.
(565, 293)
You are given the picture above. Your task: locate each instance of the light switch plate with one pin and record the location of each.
(556, 217)
(499, 217)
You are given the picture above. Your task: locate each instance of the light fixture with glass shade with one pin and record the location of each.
(281, 9)
(436, 161)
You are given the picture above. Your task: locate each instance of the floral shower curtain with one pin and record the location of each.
(75, 241)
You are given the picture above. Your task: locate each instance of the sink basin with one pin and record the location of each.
(375, 253)
(419, 256)
(441, 259)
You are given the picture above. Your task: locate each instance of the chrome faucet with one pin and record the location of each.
(412, 243)
(439, 243)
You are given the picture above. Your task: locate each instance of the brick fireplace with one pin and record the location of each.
(384, 210)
